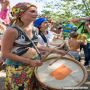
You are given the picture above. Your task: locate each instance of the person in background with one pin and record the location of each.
(84, 28)
(45, 35)
(51, 25)
(5, 11)
(68, 27)
(74, 45)
(87, 46)
(59, 33)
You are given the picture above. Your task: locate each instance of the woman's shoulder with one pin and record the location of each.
(11, 31)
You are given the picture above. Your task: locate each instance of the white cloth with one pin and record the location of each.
(49, 36)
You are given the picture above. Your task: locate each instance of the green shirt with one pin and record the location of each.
(88, 37)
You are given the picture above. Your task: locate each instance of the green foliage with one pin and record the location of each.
(66, 9)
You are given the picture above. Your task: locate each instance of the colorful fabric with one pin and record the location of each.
(21, 45)
(20, 8)
(67, 28)
(39, 21)
(4, 15)
(21, 78)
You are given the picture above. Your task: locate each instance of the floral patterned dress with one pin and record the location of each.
(19, 76)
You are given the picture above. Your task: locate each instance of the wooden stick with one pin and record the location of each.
(55, 60)
(46, 55)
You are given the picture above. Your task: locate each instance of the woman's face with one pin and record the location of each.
(30, 14)
(44, 25)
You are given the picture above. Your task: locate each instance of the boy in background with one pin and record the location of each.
(74, 46)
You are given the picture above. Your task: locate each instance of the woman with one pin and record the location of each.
(18, 40)
(19, 69)
(45, 37)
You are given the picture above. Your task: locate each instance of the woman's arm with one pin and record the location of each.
(7, 45)
(50, 50)
(79, 19)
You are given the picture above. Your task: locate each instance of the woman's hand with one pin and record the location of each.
(35, 63)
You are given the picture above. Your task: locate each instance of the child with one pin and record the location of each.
(74, 45)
